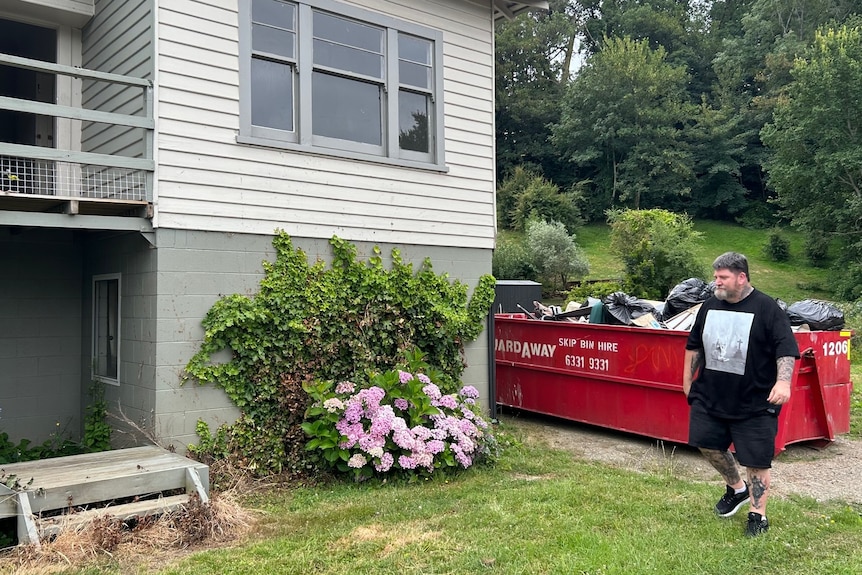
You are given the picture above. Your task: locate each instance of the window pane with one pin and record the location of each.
(414, 49)
(349, 59)
(417, 75)
(271, 94)
(274, 13)
(348, 32)
(346, 109)
(273, 41)
(106, 319)
(413, 131)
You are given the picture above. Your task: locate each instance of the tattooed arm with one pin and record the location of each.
(781, 390)
(690, 367)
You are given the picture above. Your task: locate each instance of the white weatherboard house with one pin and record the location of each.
(150, 148)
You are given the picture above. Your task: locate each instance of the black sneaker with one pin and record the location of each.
(730, 502)
(757, 524)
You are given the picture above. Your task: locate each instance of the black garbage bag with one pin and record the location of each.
(781, 304)
(819, 315)
(623, 308)
(686, 294)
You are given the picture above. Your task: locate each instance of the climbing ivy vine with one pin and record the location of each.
(312, 322)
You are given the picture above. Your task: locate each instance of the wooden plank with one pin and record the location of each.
(49, 526)
(40, 153)
(74, 71)
(95, 477)
(27, 533)
(33, 107)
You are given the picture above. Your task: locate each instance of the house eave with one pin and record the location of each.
(504, 10)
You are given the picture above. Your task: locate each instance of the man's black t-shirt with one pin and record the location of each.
(740, 342)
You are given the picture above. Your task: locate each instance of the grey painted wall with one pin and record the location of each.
(40, 333)
(196, 268)
(133, 400)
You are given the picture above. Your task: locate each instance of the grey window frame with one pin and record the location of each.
(94, 358)
(301, 139)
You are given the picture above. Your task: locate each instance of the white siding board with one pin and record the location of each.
(208, 181)
(328, 187)
(191, 38)
(303, 168)
(302, 229)
(183, 83)
(260, 203)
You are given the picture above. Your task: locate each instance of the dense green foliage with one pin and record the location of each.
(671, 104)
(817, 139)
(310, 322)
(656, 248)
(777, 247)
(524, 195)
(554, 254)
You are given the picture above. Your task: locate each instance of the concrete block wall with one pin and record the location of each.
(196, 268)
(40, 334)
(132, 402)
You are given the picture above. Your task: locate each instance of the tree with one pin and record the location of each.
(621, 127)
(554, 253)
(816, 137)
(525, 194)
(533, 53)
(656, 248)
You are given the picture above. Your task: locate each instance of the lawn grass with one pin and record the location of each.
(791, 281)
(539, 510)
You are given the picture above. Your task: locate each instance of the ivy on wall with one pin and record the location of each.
(312, 322)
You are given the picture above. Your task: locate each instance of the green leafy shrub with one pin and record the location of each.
(512, 261)
(309, 323)
(597, 290)
(395, 423)
(657, 250)
(816, 249)
(97, 432)
(525, 195)
(554, 254)
(777, 247)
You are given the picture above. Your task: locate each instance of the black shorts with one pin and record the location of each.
(753, 438)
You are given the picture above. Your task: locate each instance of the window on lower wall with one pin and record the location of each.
(106, 328)
(318, 75)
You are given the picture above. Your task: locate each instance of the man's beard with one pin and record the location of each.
(725, 294)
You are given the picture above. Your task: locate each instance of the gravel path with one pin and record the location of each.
(830, 472)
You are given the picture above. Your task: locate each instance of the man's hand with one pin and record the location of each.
(780, 393)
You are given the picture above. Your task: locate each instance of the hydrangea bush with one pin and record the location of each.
(397, 422)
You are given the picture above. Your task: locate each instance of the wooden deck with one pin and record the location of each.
(123, 483)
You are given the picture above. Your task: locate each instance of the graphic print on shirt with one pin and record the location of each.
(725, 340)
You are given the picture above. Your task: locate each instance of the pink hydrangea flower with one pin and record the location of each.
(404, 376)
(345, 387)
(357, 461)
(401, 404)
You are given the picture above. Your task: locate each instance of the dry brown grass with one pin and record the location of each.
(144, 544)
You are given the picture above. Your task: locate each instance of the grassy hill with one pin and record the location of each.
(791, 281)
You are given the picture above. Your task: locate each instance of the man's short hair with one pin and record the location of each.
(732, 261)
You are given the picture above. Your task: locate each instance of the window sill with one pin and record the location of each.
(341, 154)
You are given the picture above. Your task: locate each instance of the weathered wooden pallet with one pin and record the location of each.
(83, 487)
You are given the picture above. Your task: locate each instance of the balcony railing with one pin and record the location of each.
(36, 178)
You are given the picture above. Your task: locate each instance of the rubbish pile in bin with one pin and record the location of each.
(678, 311)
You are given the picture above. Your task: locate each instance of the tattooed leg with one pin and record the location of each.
(759, 480)
(725, 464)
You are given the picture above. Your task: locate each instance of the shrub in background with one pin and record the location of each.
(554, 254)
(777, 247)
(525, 195)
(512, 261)
(657, 250)
(816, 249)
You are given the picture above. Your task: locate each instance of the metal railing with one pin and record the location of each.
(74, 173)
